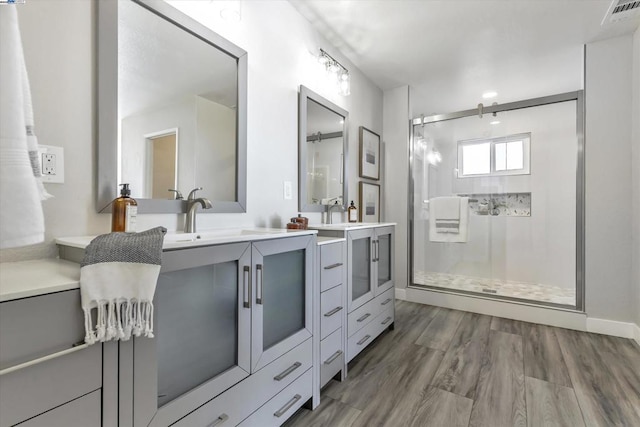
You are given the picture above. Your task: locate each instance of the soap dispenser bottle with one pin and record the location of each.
(124, 212)
(353, 213)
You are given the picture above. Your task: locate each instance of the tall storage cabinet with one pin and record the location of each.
(370, 280)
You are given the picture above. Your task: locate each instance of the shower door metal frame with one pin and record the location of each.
(577, 96)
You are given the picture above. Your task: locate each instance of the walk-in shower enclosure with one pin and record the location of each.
(497, 196)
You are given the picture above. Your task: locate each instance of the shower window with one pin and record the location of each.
(507, 155)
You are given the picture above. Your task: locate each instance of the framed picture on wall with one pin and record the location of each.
(369, 154)
(369, 202)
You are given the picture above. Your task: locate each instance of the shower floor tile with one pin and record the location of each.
(507, 288)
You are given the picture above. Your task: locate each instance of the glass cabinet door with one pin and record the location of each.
(384, 259)
(360, 269)
(282, 277)
(202, 329)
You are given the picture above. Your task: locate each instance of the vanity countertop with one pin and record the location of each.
(173, 240)
(324, 240)
(348, 226)
(24, 279)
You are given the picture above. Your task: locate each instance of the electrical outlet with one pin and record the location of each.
(51, 164)
(288, 190)
(48, 164)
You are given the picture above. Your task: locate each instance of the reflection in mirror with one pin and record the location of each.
(323, 144)
(181, 108)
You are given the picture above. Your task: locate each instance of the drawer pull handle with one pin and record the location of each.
(333, 357)
(385, 302)
(222, 418)
(280, 412)
(363, 317)
(387, 320)
(259, 298)
(336, 265)
(332, 312)
(287, 371)
(76, 347)
(247, 287)
(364, 340)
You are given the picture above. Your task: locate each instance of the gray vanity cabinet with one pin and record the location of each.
(369, 269)
(370, 281)
(282, 312)
(45, 368)
(225, 317)
(202, 332)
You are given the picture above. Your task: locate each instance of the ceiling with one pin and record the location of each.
(451, 51)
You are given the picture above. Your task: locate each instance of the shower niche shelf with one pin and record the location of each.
(500, 204)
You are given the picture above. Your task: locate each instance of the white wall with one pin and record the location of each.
(215, 151)
(635, 172)
(134, 146)
(59, 48)
(608, 179)
(504, 247)
(397, 107)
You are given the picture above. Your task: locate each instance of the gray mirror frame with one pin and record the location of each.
(107, 155)
(304, 96)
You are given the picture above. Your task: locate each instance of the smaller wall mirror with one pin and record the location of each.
(323, 145)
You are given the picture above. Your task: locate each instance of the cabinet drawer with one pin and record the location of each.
(385, 299)
(277, 410)
(38, 326)
(237, 403)
(331, 265)
(331, 356)
(362, 315)
(383, 320)
(361, 339)
(331, 307)
(33, 330)
(85, 411)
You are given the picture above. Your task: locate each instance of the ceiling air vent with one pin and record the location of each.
(622, 9)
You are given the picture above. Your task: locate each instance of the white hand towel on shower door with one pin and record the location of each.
(21, 216)
(463, 217)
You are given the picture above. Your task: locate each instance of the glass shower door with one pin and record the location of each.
(494, 204)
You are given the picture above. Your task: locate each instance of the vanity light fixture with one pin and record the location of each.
(336, 71)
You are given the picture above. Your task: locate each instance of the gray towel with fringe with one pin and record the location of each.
(118, 277)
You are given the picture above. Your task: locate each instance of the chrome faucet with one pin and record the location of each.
(192, 207)
(330, 208)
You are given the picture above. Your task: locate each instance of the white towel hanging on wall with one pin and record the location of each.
(21, 189)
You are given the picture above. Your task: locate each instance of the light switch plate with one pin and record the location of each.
(288, 190)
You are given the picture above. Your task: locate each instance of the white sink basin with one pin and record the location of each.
(212, 235)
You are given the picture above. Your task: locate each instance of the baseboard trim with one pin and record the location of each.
(613, 327)
(401, 294)
(636, 333)
(516, 311)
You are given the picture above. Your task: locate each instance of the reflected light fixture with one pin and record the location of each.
(489, 94)
(230, 11)
(337, 72)
(495, 122)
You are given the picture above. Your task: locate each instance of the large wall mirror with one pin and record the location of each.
(323, 152)
(172, 109)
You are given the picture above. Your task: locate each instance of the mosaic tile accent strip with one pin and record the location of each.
(505, 204)
(513, 289)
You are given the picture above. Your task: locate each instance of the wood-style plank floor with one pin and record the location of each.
(444, 368)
